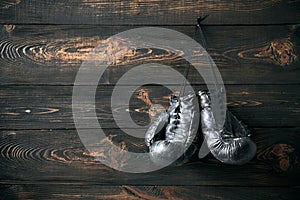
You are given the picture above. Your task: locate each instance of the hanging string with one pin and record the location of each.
(187, 69)
(199, 29)
(208, 57)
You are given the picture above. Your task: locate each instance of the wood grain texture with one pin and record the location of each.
(255, 45)
(45, 107)
(52, 55)
(58, 157)
(148, 12)
(143, 192)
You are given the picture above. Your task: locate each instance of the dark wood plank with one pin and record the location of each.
(144, 192)
(53, 54)
(41, 155)
(50, 107)
(58, 157)
(148, 12)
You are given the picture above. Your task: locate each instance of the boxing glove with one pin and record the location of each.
(230, 145)
(171, 135)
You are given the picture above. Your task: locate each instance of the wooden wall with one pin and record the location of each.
(255, 45)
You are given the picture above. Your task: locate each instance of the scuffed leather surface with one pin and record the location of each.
(178, 133)
(230, 145)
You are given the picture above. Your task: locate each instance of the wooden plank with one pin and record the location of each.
(32, 54)
(148, 12)
(50, 107)
(144, 192)
(58, 157)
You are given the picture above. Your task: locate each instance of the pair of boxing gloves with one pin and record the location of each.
(171, 137)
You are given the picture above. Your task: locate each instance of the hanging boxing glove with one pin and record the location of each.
(230, 145)
(170, 137)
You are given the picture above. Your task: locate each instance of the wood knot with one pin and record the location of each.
(144, 96)
(282, 157)
(123, 146)
(9, 3)
(155, 109)
(5, 30)
(282, 51)
(9, 27)
(118, 51)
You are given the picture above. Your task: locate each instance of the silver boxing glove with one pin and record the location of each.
(171, 135)
(230, 145)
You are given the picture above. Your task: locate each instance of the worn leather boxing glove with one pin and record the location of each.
(171, 135)
(230, 145)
